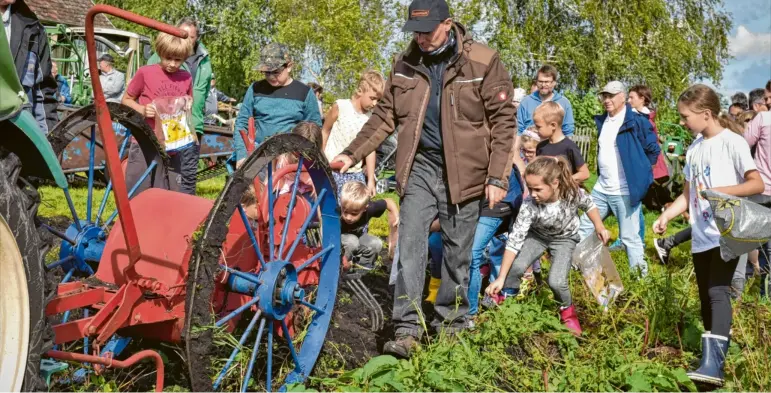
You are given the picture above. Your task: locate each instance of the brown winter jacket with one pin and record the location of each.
(478, 118)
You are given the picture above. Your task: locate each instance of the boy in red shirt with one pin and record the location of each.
(165, 79)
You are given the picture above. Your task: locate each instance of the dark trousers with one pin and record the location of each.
(182, 172)
(713, 277)
(426, 197)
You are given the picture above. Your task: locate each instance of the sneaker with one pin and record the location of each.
(662, 251)
(402, 346)
(616, 246)
(491, 301)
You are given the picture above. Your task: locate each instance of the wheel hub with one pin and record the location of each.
(88, 246)
(278, 289)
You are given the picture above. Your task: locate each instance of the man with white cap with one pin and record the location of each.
(627, 151)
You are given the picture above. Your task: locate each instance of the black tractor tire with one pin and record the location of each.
(19, 203)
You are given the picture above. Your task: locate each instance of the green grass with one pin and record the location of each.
(644, 342)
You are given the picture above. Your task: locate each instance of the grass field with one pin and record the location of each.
(644, 342)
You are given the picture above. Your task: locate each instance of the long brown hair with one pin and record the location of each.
(700, 98)
(645, 93)
(551, 168)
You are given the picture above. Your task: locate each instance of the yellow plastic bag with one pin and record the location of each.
(173, 124)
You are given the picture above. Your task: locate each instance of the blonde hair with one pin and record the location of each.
(746, 116)
(168, 46)
(550, 112)
(701, 98)
(310, 131)
(249, 197)
(551, 168)
(371, 81)
(354, 196)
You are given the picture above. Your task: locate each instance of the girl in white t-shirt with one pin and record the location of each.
(719, 159)
(344, 121)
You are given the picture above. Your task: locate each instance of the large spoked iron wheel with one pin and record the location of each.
(288, 292)
(24, 335)
(77, 141)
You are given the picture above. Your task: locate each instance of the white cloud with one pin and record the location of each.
(747, 43)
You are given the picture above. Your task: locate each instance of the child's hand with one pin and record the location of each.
(603, 234)
(188, 104)
(150, 111)
(495, 287)
(660, 225)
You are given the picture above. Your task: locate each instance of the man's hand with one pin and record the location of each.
(345, 160)
(494, 194)
(372, 187)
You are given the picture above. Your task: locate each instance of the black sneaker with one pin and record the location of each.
(661, 250)
(403, 346)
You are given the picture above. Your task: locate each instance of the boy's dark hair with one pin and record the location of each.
(644, 92)
(316, 87)
(741, 99)
(736, 105)
(548, 70)
(757, 96)
(310, 131)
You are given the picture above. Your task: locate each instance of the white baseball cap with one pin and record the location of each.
(614, 88)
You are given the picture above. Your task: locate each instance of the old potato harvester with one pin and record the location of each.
(166, 266)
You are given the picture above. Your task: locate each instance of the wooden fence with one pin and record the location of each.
(586, 139)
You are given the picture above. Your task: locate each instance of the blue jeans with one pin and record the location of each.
(486, 228)
(435, 252)
(617, 243)
(628, 226)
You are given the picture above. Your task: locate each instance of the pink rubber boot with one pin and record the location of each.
(570, 319)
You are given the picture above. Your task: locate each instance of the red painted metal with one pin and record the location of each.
(105, 122)
(70, 331)
(166, 223)
(110, 362)
(75, 299)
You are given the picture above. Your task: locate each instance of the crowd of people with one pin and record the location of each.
(489, 180)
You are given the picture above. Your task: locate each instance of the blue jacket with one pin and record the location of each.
(527, 108)
(64, 88)
(639, 151)
(275, 110)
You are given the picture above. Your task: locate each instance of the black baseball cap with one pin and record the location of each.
(424, 15)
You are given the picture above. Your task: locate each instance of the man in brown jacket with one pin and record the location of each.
(450, 98)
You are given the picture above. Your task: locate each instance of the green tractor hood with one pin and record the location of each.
(31, 146)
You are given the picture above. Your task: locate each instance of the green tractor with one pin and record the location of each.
(68, 45)
(25, 154)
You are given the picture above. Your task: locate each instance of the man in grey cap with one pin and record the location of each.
(113, 81)
(627, 151)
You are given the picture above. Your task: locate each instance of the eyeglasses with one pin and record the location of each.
(543, 83)
(275, 72)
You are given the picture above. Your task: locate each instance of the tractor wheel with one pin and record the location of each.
(291, 291)
(24, 335)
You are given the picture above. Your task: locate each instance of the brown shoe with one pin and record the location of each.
(402, 346)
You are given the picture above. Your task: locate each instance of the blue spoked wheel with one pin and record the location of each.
(227, 355)
(82, 234)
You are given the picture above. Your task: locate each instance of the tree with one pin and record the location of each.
(666, 44)
(335, 40)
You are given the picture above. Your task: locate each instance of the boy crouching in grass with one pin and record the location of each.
(359, 247)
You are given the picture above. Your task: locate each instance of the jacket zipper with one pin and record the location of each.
(421, 115)
(452, 105)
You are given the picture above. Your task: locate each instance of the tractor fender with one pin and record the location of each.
(23, 137)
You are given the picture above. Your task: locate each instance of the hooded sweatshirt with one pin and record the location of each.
(527, 108)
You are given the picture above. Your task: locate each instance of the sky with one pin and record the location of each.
(750, 44)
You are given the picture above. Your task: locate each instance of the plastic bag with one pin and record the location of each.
(173, 125)
(598, 270)
(743, 224)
